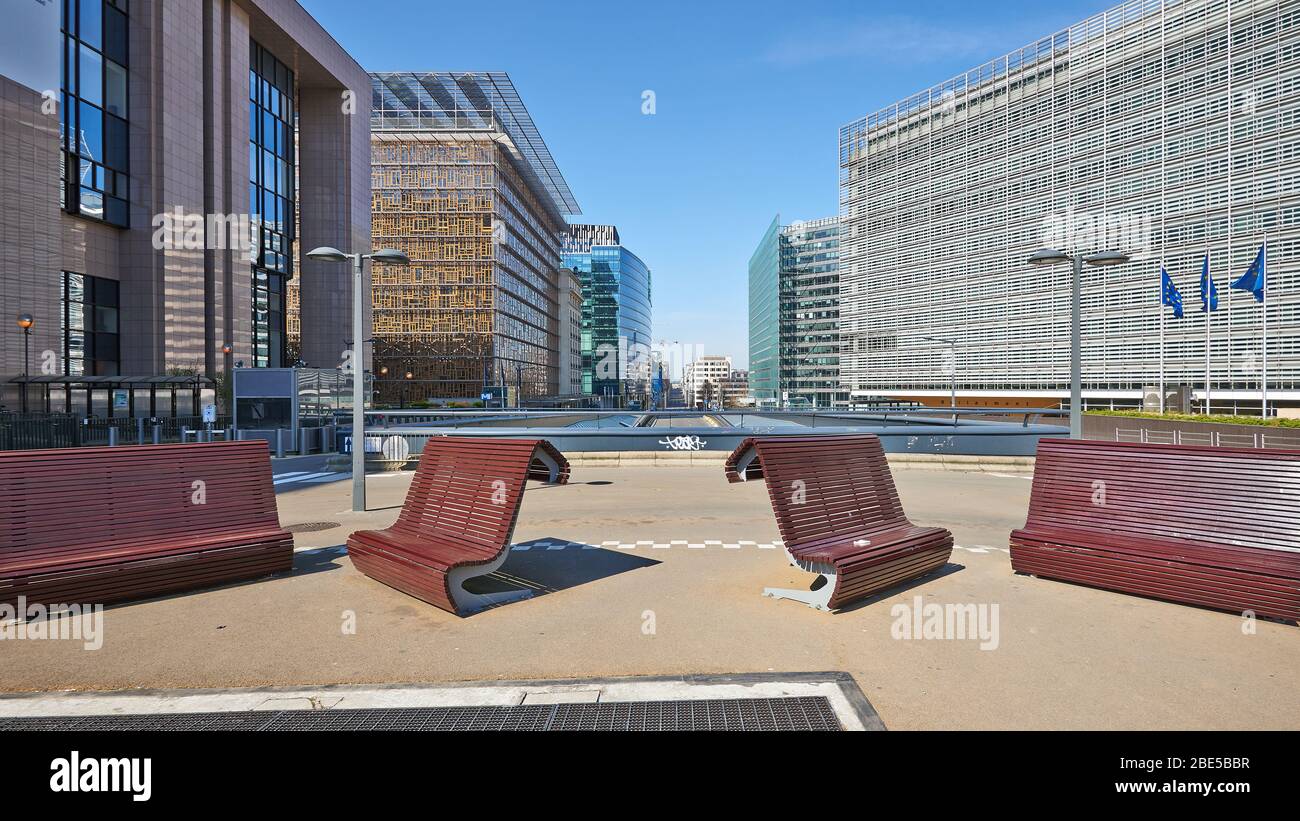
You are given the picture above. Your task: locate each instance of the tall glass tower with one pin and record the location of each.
(616, 304)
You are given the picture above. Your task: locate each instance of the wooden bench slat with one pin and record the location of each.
(1214, 527)
(839, 514)
(457, 519)
(100, 525)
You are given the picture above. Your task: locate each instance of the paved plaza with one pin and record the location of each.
(659, 571)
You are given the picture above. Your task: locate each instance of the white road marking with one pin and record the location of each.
(981, 548)
(289, 479)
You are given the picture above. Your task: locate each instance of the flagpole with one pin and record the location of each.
(1264, 304)
(1207, 304)
(1162, 337)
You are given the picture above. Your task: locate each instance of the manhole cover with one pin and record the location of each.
(310, 527)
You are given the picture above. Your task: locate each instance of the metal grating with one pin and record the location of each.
(756, 714)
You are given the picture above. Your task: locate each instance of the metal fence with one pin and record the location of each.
(38, 431)
(23, 431)
(1262, 439)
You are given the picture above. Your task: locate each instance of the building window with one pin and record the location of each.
(271, 201)
(91, 345)
(93, 127)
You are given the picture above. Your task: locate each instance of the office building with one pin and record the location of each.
(794, 291)
(465, 186)
(735, 390)
(158, 186)
(1161, 129)
(616, 302)
(702, 380)
(570, 362)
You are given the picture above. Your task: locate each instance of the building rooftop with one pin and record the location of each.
(447, 101)
(1092, 30)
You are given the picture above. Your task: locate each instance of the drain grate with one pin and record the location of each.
(760, 714)
(310, 527)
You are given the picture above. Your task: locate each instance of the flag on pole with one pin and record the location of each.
(1209, 293)
(1253, 279)
(1169, 293)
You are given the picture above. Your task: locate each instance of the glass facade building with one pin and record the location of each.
(794, 291)
(151, 141)
(764, 315)
(271, 202)
(616, 303)
(464, 185)
(94, 110)
(809, 343)
(1166, 129)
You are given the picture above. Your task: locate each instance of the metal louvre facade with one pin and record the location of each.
(1165, 129)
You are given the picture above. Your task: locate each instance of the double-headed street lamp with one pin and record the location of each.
(1102, 259)
(359, 297)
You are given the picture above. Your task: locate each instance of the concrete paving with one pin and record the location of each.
(1065, 657)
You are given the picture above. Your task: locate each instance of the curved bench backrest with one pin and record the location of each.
(470, 488)
(1235, 496)
(60, 506)
(822, 486)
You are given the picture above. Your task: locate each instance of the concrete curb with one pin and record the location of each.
(716, 458)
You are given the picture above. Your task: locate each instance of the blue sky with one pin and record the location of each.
(749, 99)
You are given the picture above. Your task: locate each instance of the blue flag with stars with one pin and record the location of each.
(1169, 293)
(1254, 278)
(1209, 293)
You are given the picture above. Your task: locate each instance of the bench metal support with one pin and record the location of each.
(818, 595)
(467, 602)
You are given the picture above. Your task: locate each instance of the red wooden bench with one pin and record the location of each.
(1216, 527)
(98, 525)
(839, 516)
(457, 519)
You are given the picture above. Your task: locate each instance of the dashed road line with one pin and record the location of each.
(565, 544)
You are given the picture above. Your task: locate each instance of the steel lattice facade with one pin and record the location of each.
(1166, 128)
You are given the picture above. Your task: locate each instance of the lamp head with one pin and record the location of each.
(25, 321)
(1048, 256)
(327, 254)
(391, 256)
(1105, 259)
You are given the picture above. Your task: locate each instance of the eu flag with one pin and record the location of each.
(1209, 293)
(1169, 293)
(1254, 278)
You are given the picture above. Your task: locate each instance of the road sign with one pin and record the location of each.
(209, 414)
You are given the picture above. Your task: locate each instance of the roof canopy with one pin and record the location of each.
(468, 101)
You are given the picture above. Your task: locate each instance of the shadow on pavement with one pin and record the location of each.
(549, 565)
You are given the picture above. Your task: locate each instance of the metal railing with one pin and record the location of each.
(612, 418)
(1260, 440)
(57, 430)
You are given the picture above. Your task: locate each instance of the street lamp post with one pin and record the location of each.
(387, 255)
(26, 322)
(1101, 259)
